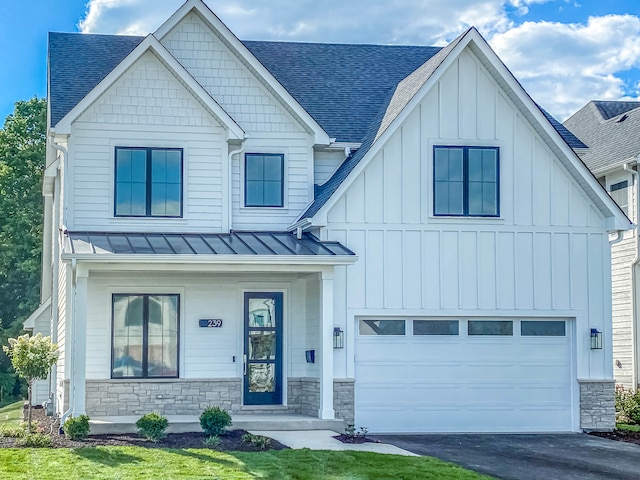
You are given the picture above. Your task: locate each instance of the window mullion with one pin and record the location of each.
(465, 182)
(148, 189)
(145, 335)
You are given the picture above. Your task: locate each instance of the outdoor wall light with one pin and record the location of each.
(596, 339)
(310, 356)
(338, 337)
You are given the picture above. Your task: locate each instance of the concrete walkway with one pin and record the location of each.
(323, 440)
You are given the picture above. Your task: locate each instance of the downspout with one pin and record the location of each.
(634, 280)
(69, 357)
(230, 183)
(55, 237)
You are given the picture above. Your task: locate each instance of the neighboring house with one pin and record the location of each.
(393, 235)
(610, 131)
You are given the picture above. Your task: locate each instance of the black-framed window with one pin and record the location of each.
(148, 182)
(466, 181)
(263, 180)
(145, 336)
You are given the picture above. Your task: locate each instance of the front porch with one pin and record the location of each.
(245, 421)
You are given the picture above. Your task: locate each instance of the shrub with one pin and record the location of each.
(14, 432)
(152, 426)
(627, 406)
(76, 428)
(34, 440)
(212, 441)
(257, 441)
(214, 421)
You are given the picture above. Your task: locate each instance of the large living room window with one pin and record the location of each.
(263, 180)
(466, 181)
(145, 336)
(148, 182)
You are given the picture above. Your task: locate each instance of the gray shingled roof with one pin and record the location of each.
(610, 109)
(340, 86)
(610, 139)
(235, 243)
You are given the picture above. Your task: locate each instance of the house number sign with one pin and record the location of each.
(211, 322)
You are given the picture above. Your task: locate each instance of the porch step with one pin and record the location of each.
(244, 421)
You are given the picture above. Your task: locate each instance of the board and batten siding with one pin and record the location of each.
(546, 255)
(147, 107)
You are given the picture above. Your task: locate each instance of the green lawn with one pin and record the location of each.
(626, 426)
(124, 463)
(11, 415)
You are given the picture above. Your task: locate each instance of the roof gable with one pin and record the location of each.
(413, 91)
(150, 43)
(218, 28)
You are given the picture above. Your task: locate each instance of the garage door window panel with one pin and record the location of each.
(382, 327)
(543, 328)
(436, 327)
(491, 327)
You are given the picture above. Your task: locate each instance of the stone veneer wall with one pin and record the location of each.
(169, 397)
(303, 395)
(343, 399)
(597, 405)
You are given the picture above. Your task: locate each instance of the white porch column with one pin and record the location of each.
(326, 345)
(79, 343)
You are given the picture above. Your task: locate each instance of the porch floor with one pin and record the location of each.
(244, 421)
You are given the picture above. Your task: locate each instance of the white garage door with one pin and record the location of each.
(463, 375)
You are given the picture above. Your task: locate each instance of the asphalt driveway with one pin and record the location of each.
(529, 457)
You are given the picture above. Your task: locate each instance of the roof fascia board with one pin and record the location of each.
(30, 322)
(320, 218)
(215, 259)
(320, 136)
(606, 204)
(150, 43)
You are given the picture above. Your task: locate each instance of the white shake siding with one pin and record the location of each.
(147, 107)
(268, 123)
(545, 256)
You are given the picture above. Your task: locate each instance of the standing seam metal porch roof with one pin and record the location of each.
(235, 243)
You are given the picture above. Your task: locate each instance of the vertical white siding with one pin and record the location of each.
(543, 255)
(147, 107)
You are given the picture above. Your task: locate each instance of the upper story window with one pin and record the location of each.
(620, 193)
(148, 182)
(263, 180)
(466, 181)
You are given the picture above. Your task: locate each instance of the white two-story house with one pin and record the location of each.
(396, 236)
(610, 131)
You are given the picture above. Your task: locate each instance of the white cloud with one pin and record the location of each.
(562, 66)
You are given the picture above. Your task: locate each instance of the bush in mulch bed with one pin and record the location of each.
(231, 441)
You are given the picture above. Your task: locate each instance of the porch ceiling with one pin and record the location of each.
(259, 246)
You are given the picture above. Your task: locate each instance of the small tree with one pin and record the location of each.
(32, 358)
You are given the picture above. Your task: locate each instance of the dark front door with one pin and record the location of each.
(263, 348)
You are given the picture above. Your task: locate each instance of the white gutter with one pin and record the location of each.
(230, 183)
(56, 240)
(634, 277)
(203, 259)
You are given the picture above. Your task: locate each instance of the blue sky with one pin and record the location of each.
(565, 52)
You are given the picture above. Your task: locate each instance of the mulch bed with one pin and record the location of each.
(620, 436)
(231, 441)
(354, 440)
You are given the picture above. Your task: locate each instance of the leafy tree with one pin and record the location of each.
(22, 154)
(32, 358)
